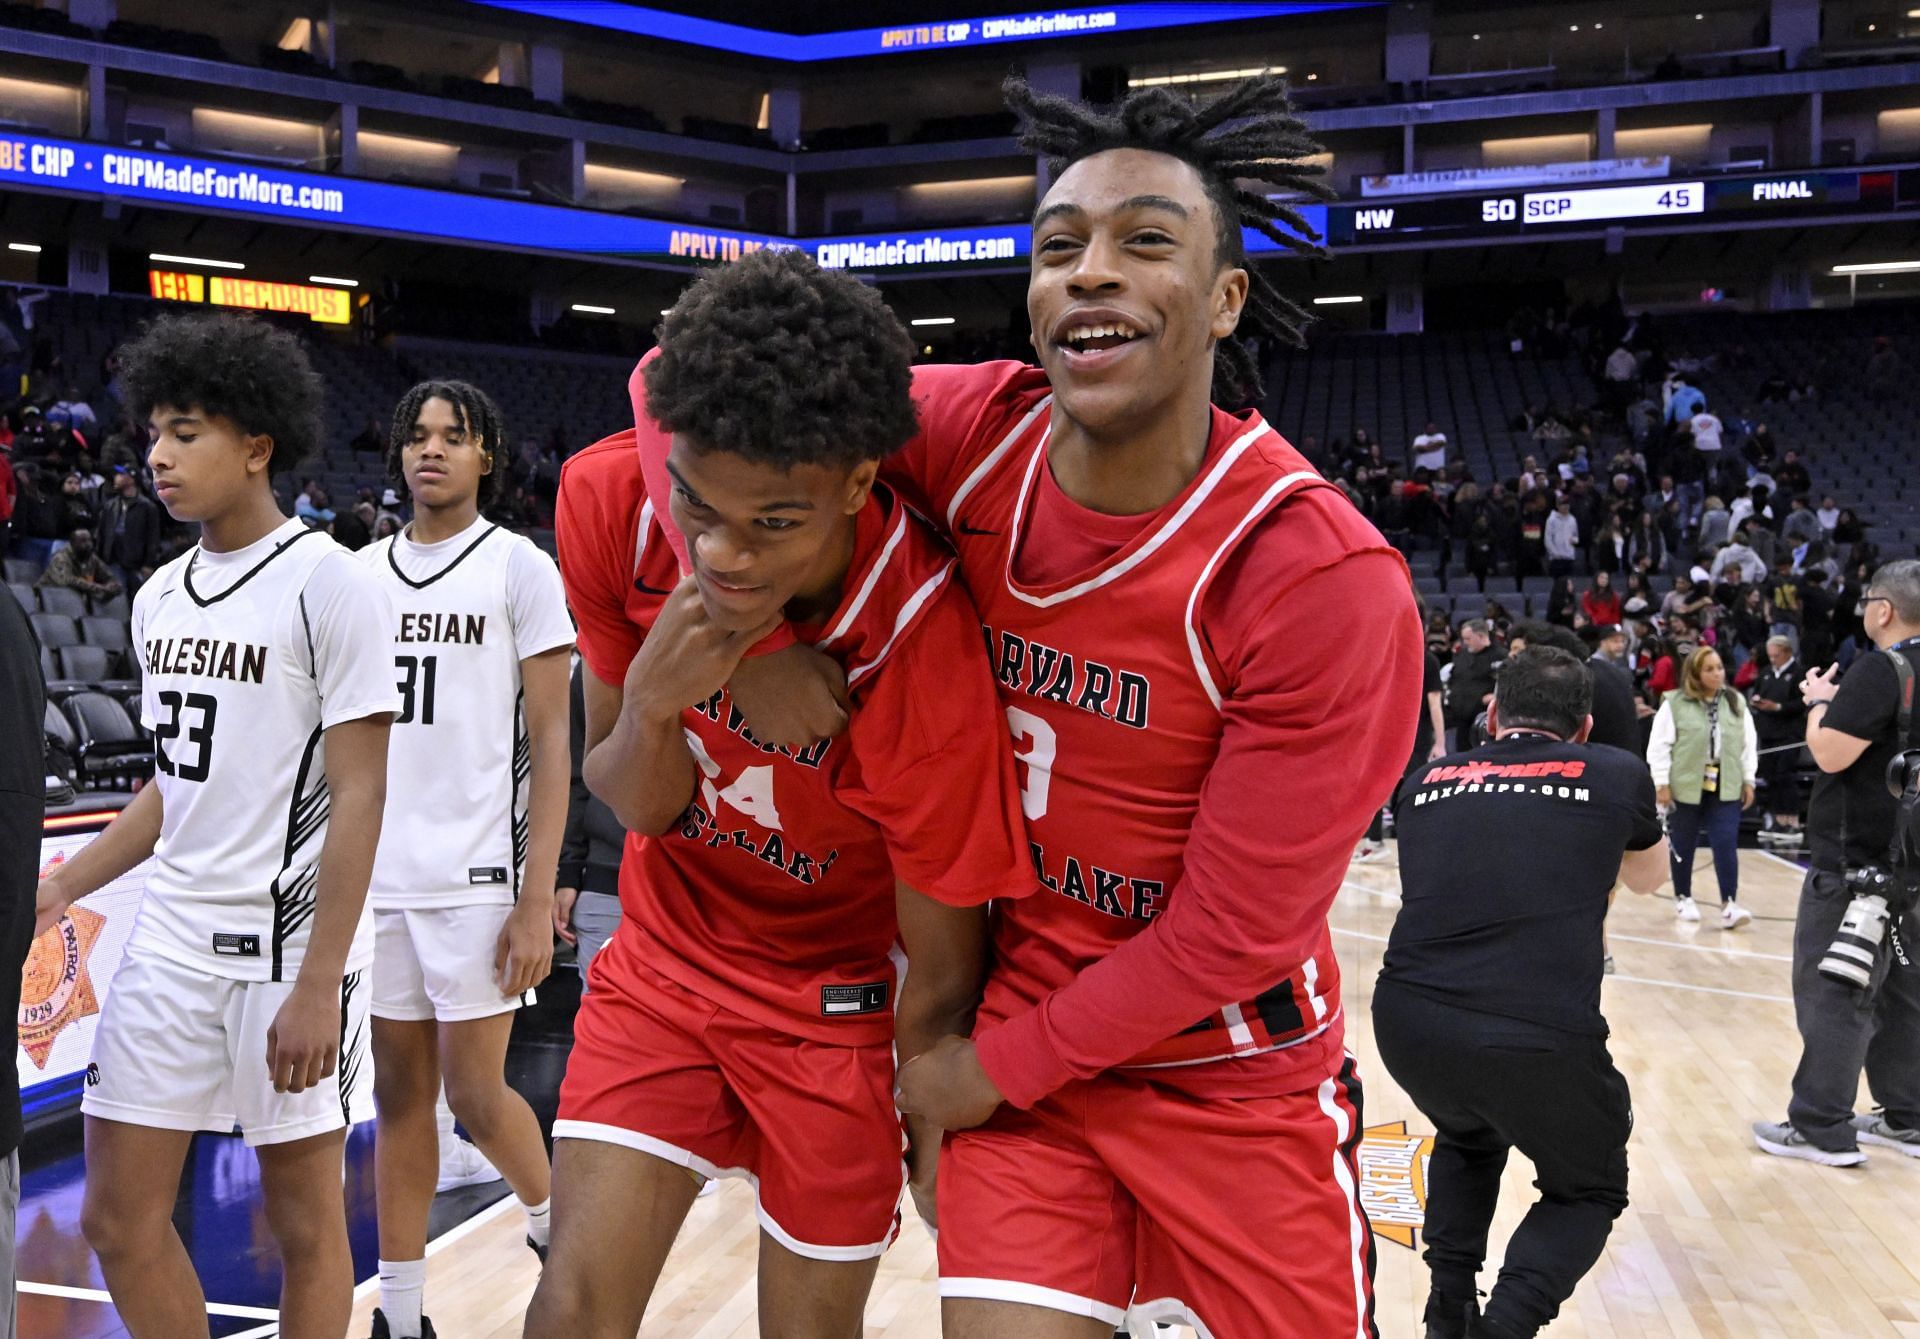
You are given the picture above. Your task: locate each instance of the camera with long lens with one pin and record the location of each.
(1881, 893)
(1850, 958)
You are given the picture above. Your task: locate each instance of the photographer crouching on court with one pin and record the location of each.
(1487, 1010)
(1856, 941)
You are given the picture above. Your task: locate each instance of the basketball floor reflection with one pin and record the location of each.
(219, 1214)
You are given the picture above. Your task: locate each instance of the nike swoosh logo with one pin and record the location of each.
(966, 529)
(645, 589)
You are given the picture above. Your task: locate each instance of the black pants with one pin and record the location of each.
(1490, 1085)
(1843, 1030)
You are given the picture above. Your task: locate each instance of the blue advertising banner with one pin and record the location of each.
(320, 200)
(1036, 25)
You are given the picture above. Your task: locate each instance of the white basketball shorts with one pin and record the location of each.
(436, 964)
(180, 1050)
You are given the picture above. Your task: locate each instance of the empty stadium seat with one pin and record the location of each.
(110, 634)
(61, 600)
(117, 607)
(83, 664)
(25, 593)
(22, 569)
(56, 630)
(108, 742)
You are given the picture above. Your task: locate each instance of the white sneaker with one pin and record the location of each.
(1783, 1141)
(461, 1164)
(1874, 1128)
(1684, 908)
(1732, 915)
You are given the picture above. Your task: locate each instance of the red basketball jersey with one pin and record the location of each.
(1114, 704)
(1114, 695)
(775, 897)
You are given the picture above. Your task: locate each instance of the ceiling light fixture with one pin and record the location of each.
(592, 310)
(195, 260)
(329, 279)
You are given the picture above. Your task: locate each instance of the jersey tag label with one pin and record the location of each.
(870, 998)
(487, 874)
(237, 946)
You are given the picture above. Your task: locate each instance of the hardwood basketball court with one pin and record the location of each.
(1721, 1241)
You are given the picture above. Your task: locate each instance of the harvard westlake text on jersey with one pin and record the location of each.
(749, 796)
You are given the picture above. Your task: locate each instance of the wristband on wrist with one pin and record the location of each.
(1819, 702)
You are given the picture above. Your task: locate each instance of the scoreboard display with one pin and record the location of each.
(1744, 197)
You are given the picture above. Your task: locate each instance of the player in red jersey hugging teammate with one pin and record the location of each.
(741, 1020)
(1209, 663)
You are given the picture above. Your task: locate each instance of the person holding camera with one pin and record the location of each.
(1487, 1009)
(1703, 758)
(1856, 981)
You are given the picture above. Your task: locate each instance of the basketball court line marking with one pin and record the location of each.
(1631, 980)
(61, 1290)
(434, 1247)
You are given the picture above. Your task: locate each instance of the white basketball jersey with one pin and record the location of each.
(467, 610)
(249, 657)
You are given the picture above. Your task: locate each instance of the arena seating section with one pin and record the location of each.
(1860, 450)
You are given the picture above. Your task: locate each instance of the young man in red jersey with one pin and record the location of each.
(1206, 659)
(742, 1019)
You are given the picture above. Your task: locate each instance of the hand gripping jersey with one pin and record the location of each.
(775, 898)
(467, 611)
(250, 656)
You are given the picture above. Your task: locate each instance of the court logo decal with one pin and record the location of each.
(55, 988)
(1393, 1181)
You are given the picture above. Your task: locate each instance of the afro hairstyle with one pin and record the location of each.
(777, 360)
(232, 367)
(1250, 133)
(478, 416)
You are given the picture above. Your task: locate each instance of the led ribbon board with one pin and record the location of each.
(992, 30)
(330, 306)
(315, 199)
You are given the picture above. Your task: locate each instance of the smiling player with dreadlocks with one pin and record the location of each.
(1202, 652)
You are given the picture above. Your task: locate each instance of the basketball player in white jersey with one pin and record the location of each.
(463, 884)
(269, 690)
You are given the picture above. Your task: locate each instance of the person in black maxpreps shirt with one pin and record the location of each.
(1487, 1011)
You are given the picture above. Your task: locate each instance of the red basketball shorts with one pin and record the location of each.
(659, 1069)
(1125, 1199)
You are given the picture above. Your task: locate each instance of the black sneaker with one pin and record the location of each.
(537, 1249)
(1448, 1317)
(380, 1330)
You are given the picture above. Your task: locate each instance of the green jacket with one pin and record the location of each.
(1690, 746)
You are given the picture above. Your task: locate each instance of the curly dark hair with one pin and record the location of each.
(479, 417)
(229, 366)
(780, 361)
(1251, 133)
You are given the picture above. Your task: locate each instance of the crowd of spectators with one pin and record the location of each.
(1659, 521)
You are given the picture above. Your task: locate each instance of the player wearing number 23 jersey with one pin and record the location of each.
(249, 657)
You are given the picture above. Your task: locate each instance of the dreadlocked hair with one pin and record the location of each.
(777, 360)
(1252, 133)
(479, 417)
